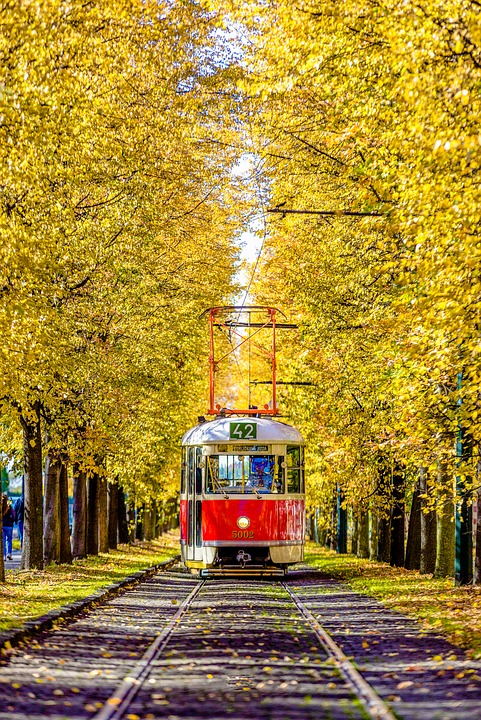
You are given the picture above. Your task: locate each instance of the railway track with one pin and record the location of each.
(374, 705)
(120, 704)
(175, 647)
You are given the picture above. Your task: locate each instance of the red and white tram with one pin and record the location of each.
(242, 496)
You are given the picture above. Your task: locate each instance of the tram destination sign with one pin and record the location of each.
(250, 448)
(243, 431)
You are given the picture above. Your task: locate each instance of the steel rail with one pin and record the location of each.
(117, 705)
(372, 703)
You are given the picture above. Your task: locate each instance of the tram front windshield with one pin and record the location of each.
(244, 473)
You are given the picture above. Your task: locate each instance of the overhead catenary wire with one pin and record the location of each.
(249, 285)
(264, 237)
(256, 264)
(229, 338)
(328, 213)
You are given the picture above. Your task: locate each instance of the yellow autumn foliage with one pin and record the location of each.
(116, 228)
(373, 107)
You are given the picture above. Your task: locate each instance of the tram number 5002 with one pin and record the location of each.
(243, 534)
(243, 431)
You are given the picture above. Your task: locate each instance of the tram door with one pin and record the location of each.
(194, 504)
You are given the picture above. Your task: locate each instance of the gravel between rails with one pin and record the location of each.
(242, 650)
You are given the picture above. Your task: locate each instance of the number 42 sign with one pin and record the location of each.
(243, 431)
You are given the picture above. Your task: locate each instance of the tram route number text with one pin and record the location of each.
(243, 534)
(243, 431)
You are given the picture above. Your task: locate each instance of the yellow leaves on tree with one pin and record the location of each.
(374, 106)
(115, 223)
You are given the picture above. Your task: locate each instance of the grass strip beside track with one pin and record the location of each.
(28, 594)
(454, 611)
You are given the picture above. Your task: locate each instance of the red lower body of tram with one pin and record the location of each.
(258, 535)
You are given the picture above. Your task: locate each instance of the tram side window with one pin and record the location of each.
(183, 471)
(198, 523)
(191, 467)
(294, 470)
(198, 470)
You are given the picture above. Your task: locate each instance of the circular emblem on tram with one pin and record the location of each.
(243, 522)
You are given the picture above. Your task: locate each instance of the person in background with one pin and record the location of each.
(19, 509)
(8, 520)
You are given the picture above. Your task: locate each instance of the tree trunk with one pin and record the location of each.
(384, 540)
(93, 516)
(445, 528)
(148, 524)
(139, 525)
(155, 520)
(374, 536)
(113, 513)
(445, 538)
(132, 519)
(327, 536)
(123, 522)
(477, 559)
(65, 547)
(146, 518)
(79, 529)
(51, 545)
(428, 528)
(397, 516)
(333, 535)
(413, 545)
(385, 508)
(32, 551)
(102, 492)
(355, 535)
(363, 542)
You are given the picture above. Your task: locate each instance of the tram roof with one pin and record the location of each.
(218, 430)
